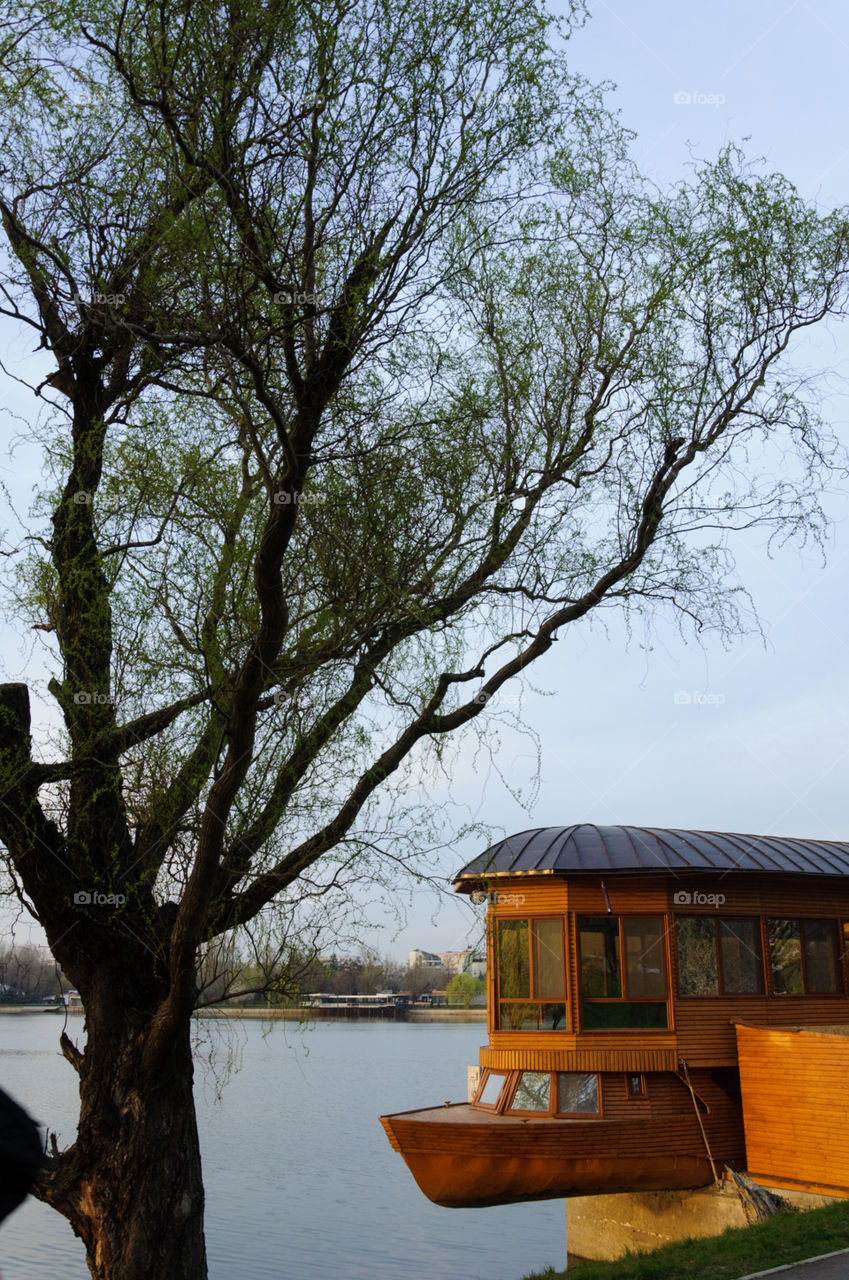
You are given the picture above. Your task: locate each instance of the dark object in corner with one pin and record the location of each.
(20, 1154)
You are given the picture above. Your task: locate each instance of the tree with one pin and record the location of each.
(371, 364)
(463, 988)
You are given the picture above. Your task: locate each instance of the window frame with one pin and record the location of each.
(485, 1075)
(532, 999)
(552, 1113)
(722, 994)
(641, 1093)
(805, 994)
(667, 1000)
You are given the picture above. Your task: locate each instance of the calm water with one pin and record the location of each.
(301, 1182)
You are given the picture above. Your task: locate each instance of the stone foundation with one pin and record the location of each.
(605, 1227)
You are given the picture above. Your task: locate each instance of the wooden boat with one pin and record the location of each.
(619, 961)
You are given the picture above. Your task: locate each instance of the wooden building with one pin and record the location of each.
(619, 961)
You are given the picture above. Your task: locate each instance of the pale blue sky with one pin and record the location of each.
(616, 747)
(773, 757)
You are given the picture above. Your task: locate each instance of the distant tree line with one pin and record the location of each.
(27, 974)
(284, 978)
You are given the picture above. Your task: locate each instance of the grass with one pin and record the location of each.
(789, 1236)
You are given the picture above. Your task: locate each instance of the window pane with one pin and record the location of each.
(519, 1017)
(821, 955)
(577, 1091)
(599, 1016)
(549, 977)
(532, 1093)
(698, 974)
(491, 1089)
(785, 951)
(514, 973)
(645, 976)
(552, 1017)
(742, 971)
(600, 972)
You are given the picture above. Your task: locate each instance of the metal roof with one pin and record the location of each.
(586, 848)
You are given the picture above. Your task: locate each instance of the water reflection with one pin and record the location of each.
(300, 1179)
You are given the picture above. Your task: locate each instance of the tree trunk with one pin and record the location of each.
(131, 1184)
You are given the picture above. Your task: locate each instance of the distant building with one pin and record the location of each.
(451, 961)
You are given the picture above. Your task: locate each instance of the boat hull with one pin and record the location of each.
(463, 1158)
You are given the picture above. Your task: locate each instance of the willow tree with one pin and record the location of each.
(367, 364)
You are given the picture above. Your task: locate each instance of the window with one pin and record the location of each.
(635, 1086)
(623, 972)
(490, 1090)
(553, 1093)
(804, 957)
(556, 1092)
(719, 956)
(577, 1092)
(531, 975)
(533, 1092)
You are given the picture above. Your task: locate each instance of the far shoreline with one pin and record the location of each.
(285, 1015)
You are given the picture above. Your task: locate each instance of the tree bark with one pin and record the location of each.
(131, 1184)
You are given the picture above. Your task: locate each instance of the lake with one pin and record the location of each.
(301, 1183)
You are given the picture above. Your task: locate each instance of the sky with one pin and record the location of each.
(668, 732)
(682, 734)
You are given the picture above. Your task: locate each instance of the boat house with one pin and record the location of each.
(623, 964)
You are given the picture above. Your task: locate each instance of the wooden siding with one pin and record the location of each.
(794, 1107)
(701, 1028)
(578, 1057)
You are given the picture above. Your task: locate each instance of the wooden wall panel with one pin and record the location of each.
(704, 1026)
(794, 1106)
(528, 895)
(578, 1057)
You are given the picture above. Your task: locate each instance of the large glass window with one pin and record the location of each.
(698, 966)
(559, 1093)
(804, 957)
(492, 1086)
(533, 1092)
(577, 1092)
(740, 949)
(530, 961)
(719, 956)
(623, 972)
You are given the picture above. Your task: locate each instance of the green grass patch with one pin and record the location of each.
(789, 1236)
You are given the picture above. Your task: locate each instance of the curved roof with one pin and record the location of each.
(586, 848)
